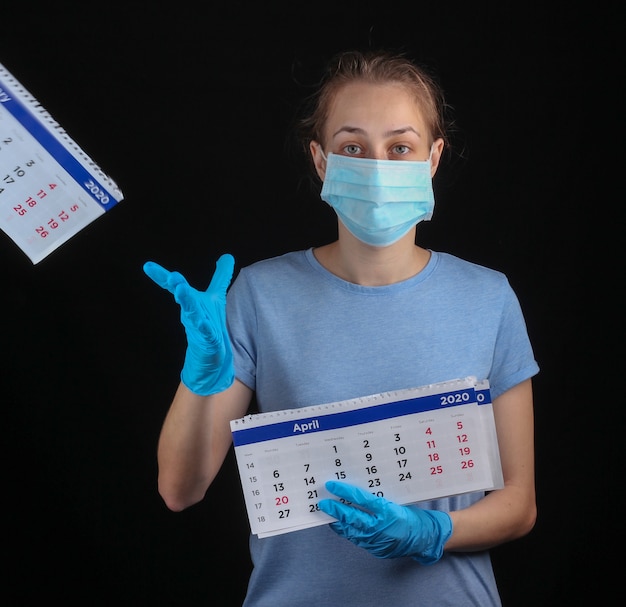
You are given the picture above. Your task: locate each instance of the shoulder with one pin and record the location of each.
(471, 281)
(271, 264)
(466, 271)
(276, 268)
(274, 275)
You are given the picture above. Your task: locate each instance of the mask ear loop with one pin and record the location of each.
(430, 156)
(321, 149)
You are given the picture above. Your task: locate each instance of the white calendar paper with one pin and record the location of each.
(408, 446)
(49, 188)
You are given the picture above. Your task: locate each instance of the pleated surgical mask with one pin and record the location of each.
(378, 201)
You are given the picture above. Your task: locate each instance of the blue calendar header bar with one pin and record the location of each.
(55, 148)
(300, 425)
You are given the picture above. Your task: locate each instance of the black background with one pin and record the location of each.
(189, 109)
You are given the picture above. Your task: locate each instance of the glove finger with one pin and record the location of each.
(156, 272)
(341, 529)
(222, 276)
(347, 515)
(162, 277)
(356, 495)
(329, 507)
(186, 296)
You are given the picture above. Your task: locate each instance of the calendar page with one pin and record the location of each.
(411, 445)
(49, 188)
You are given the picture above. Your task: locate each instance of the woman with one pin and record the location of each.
(371, 312)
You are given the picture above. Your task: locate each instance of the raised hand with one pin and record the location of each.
(208, 366)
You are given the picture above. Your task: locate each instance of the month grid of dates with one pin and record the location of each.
(407, 446)
(49, 188)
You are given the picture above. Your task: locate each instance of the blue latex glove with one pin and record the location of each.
(208, 366)
(384, 528)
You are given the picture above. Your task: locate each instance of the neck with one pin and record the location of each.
(358, 263)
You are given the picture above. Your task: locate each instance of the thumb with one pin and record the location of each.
(223, 274)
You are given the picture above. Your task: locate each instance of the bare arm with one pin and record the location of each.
(508, 513)
(194, 441)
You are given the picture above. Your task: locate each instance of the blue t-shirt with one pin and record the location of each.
(302, 336)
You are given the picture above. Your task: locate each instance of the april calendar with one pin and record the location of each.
(49, 188)
(408, 446)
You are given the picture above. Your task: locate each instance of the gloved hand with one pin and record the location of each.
(208, 366)
(384, 528)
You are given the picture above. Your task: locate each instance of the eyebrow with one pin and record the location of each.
(359, 131)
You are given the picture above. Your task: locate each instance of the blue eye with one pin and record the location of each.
(401, 149)
(352, 149)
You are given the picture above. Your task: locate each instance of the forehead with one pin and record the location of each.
(374, 107)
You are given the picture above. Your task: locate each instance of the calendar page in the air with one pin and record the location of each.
(50, 189)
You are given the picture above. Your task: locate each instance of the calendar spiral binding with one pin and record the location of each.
(369, 400)
(46, 118)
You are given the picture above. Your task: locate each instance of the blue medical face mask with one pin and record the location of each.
(379, 201)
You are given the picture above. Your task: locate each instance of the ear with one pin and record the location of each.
(436, 156)
(318, 160)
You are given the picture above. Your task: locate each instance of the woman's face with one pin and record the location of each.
(380, 121)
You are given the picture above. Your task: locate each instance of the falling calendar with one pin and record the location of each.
(408, 446)
(49, 188)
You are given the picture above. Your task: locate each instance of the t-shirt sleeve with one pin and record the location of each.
(242, 328)
(514, 359)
